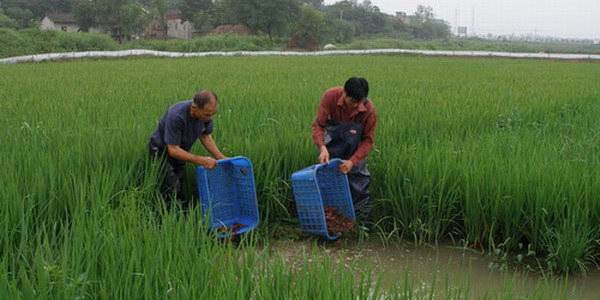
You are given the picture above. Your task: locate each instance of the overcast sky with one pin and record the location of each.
(561, 18)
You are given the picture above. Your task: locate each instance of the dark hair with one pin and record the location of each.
(357, 88)
(202, 98)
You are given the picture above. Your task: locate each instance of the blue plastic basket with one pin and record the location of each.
(319, 186)
(228, 194)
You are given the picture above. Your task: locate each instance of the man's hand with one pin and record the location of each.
(208, 143)
(324, 156)
(346, 166)
(205, 161)
(176, 152)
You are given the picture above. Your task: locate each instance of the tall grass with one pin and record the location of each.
(34, 41)
(209, 43)
(482, 151)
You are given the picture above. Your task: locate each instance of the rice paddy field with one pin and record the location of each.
(497, 155)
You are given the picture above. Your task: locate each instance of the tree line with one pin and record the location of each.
(305, 22)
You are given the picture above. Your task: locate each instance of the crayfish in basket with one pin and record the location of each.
(337, 223)
(234, 229)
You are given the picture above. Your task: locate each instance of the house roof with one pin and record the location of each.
(173, 14)
(64, 18)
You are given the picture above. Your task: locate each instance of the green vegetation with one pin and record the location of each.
(33, 41)
(498, 154)
(283, 19)
(209, 43)
(471, 44)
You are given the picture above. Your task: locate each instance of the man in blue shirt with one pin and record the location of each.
(183, 124)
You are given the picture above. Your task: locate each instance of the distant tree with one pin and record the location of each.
(368, 4)
(423, 14)
(315, 3)
(159, 13)
(6, 21)
(203, 21)
(55, 5)
(39, 8)
(424, 25)
(161, 7)
(85, 13)
(24, 17)
(339, 30)
(366, 17)
(131, 20)
(221, 13)
(397, 25)
(269, 16)
(440, 29)
(309, 29)
(189, 8)
(343, 10)
(123, 18)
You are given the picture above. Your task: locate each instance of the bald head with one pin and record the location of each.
(204, 105)
(205, 97)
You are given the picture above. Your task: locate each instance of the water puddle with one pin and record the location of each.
(446, 265)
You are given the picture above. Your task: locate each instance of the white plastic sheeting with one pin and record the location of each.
(130, 53)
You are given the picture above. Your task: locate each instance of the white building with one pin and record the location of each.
(177, 28)
(62, 21)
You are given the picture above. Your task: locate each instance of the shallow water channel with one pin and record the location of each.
(458, 268)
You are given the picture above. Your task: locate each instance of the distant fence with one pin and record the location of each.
(153, 53)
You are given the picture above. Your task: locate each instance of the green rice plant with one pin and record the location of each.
(481, 151)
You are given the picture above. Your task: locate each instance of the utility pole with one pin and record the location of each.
(457, 18)
(473, 21)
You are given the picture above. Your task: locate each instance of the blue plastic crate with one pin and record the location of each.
(317, 187)
(228, 194)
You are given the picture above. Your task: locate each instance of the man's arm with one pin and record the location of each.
(176, 152)
(318, 128)
(173, 132)
(209, 144)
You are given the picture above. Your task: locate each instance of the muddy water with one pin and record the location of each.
(462, 269)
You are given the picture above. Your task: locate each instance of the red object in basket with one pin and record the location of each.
(336, 222)
(235, 228)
